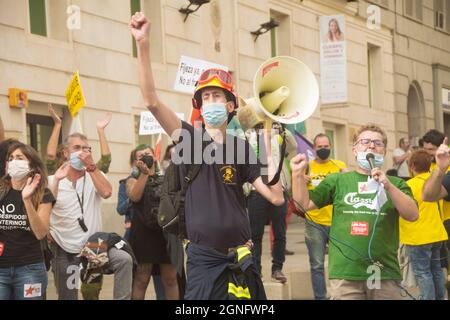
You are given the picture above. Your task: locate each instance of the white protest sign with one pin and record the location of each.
(189, 70)
(148, 125)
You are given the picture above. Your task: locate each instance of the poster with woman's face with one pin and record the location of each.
(332, 29)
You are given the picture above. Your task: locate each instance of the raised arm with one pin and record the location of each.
(60, 174)
(135, 187)
(101, 183)
(52, 144)
(405, 205)
(300, 192)
(105, 160)
(140, 28)
(433, 189)
(274, 193)
(39, 219)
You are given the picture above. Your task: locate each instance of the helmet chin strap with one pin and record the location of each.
(231, 115)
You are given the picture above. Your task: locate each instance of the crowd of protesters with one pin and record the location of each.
(365, 220)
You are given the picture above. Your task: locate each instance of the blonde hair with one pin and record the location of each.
(370, 127)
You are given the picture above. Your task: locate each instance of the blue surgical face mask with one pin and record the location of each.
(215, 114)
(75, 162)
(363, 163)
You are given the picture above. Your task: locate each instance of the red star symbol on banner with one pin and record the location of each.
(29, 291)
(363, 188)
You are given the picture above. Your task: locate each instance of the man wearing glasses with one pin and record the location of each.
(79, 187)
(216, 219)
(364, 233)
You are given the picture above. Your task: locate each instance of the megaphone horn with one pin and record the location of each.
(285, 91)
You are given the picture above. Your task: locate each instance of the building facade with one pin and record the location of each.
(396, 72)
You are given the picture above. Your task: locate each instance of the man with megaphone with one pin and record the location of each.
(217, 224)
(318, 220)
(364, 232)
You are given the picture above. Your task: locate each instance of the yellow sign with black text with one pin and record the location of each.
(74, 95)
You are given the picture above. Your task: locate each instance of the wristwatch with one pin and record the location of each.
(91, 168)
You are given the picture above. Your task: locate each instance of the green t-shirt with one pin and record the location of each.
(353, 220)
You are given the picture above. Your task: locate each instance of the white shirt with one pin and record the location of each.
(402, 170)
(64, 226)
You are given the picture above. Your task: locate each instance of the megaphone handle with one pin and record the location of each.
(268, 123)
(276, 177)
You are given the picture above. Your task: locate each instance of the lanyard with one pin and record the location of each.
(81, 202)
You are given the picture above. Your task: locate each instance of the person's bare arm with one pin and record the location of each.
(300, 192)
(400, 159)
(140, 28)
(101, 125)
(39, 219)
(105, 159)
(405, 205)
(52, 144)
(60, 174)
(274, 193)
(101, 183)
(135, 187)
(433, 189)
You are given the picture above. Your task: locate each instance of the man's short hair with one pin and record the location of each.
(321, 135)
(420, 160)
(74, 135)
(370, 127)
(433, 136)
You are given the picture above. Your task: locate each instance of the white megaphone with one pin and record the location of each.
(285, 91)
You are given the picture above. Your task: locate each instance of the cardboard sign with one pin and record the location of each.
(189, 70)
(148, 125)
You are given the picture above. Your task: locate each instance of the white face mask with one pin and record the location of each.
(18, 169)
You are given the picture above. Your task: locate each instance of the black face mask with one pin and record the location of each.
(323, 153)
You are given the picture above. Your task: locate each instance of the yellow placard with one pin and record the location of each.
(74, 95)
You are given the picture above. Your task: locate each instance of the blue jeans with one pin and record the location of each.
(426, 264)
(260, 211)
(316, 238)
(27, 282)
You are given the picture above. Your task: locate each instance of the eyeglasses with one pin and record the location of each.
(221, 75)
(367, 142)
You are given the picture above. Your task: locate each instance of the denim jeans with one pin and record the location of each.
(316, 238)
(426, 264)
(27, 282)
(261, 211)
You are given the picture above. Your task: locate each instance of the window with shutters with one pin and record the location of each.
(38, 17)
(442, 15)
(135, 6)
(48, 18)
(413, 9)
(280, 37)
(152, 10)
(375, 75)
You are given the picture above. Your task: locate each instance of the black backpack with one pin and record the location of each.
(94, 259)
(171, 207)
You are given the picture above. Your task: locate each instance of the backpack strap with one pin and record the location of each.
(192, 172)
